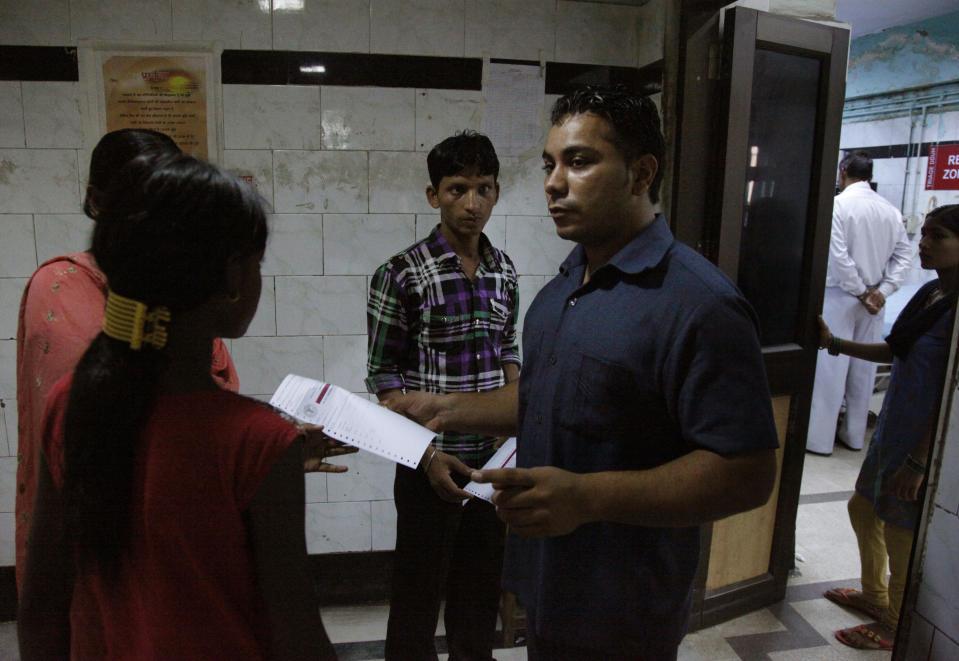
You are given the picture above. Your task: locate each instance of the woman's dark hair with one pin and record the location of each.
(460, 152)
(947, 215)
(167, 228)
(633, 118)
(115, 150)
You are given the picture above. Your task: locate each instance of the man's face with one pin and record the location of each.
(465, 201)
(589, 187)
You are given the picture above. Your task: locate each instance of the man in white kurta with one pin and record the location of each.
(869, 255)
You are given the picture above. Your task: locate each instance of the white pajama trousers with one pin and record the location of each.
(839, 377)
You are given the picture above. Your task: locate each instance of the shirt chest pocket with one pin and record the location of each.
(601, 400)
(443, 330)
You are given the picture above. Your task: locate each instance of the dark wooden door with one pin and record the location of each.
(754, 180)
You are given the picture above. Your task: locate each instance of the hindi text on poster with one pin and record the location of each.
(163, 93)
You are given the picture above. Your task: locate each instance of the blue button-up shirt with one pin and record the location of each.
(656, 356)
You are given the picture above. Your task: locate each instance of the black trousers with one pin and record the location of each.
(443, 550)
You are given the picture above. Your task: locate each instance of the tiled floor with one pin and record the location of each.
(796, 629)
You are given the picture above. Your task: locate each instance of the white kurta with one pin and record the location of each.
(868, 248)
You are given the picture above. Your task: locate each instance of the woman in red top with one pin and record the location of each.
(169, 518)
(61, 311)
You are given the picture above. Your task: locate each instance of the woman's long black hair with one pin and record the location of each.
(113, 151)
(167, 226)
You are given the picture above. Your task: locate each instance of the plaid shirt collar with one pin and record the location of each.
(442, 251)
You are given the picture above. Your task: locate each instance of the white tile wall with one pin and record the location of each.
(316, 487)
(533, 245)
(398, 181)
(321, 305)
(4, 439)
(318, 181)
(18, 255)
(35, 23)
(8, 369)
(272, 117)
(59, 234)
(355, 244)
(517, 29)
(368, 118)
(441, 113)
(940, 584)
(8, 483)
(233, 23)
(7, 549)
(10, 418)
(51, 112)
(370, 478)
(521, 186)
(418, 27)
(130, 20)
(597, 33)
(10, 292)
(338, 527)
(343, 169)
(384, 525)
(344, 361)
(322, 25)
(295, 245)
(263, 362)
(11, 114)
(256, 163)
(39, 181)
(264, 321)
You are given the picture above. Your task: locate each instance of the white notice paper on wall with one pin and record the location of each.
(353, 420)
(513, 113)
(505, 457)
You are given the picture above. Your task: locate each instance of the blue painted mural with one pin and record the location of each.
(918, 54)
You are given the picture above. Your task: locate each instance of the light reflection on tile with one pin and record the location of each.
(246, 24)
(322, 25)
(368, 118)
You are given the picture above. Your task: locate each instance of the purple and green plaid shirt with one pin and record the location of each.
(430, 328)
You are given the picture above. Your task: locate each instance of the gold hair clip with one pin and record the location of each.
(133, 322)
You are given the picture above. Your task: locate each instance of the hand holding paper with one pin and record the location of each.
(352, 419)
(317, 446)
(537, 502)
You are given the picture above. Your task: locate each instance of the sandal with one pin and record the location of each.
(854, 600)
(864, 637)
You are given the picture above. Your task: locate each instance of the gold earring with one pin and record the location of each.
(233, 297)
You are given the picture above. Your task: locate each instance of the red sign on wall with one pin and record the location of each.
(942, 172)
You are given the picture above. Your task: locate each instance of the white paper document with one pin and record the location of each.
(505, 457)
(353, 420)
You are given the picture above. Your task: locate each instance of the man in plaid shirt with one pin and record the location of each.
(442, 318)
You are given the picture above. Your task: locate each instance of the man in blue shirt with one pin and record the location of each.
(642, 409)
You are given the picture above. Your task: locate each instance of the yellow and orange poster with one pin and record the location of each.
(164, 93)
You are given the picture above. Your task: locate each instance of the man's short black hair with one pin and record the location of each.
(465, 150)
(857, 165)
(634, 119)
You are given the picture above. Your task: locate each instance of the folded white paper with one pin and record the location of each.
(505, 457)
(353, 420)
